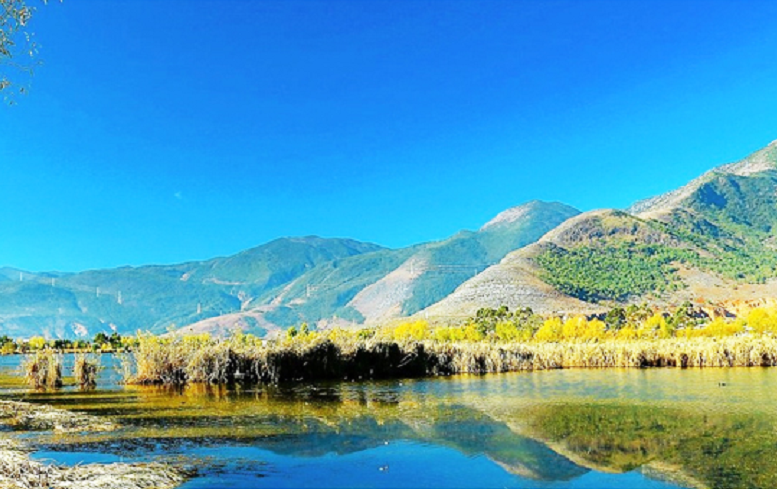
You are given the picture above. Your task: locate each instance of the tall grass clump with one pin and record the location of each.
(161, 360)
(85, 371)
(43, 370)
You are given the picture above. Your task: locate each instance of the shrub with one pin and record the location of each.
(763, 320)
(412, 331)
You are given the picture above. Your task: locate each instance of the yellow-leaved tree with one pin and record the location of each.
(37, 342)
(763, 320)
(507, 331)
(551, 330)
(574, 328)
(412, 331)
(655, 326)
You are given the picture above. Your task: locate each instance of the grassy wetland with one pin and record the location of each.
(491, 342)
(648, 428)
(377, 407)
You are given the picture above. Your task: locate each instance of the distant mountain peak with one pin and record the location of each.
(763, 160)
(520, 212)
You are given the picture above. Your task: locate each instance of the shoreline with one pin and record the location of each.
(19, 471)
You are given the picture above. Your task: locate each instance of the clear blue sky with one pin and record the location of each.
(165, 131)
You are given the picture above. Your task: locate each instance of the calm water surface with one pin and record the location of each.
(659, 428)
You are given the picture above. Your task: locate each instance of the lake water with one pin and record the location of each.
(635, 428)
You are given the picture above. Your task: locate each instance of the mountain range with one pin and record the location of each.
(282, 283)
(711, 241)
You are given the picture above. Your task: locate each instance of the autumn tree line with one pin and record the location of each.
(635, 322)
(500, 325)
(493, 340)
(101, 342)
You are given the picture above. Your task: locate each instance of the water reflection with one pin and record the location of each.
(713, 427)
(304, 421)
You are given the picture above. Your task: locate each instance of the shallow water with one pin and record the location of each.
(550, 429)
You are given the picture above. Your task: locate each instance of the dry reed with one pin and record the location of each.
(43, 370)
(177, 362)
(85, 371)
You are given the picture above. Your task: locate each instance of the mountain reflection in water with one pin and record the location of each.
(594, 428)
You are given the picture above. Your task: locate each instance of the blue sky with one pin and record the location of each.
(166, 131)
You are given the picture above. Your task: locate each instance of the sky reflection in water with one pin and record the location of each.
(573, 428)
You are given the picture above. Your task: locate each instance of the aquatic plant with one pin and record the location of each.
(43, 369)
(85, 371)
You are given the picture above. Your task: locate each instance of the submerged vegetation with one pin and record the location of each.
(30, 417)
(17, 470)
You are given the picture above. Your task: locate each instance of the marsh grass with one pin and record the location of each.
(351, 356)
(43, 370)
(85, 370)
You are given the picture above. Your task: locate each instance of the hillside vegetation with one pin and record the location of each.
(724, 225)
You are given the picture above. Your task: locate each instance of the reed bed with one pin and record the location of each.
(178, 361)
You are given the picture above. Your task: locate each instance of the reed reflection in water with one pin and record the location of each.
(712, 427)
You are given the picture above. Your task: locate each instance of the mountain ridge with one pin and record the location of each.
(757, 162)
(408, 279)
(712, 240)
